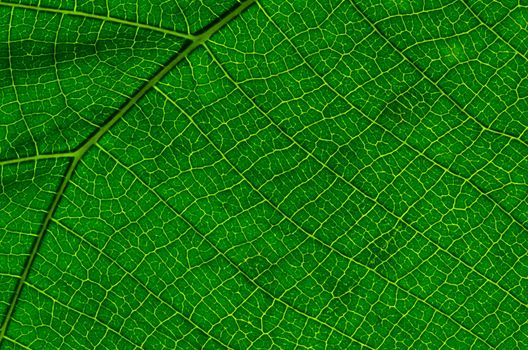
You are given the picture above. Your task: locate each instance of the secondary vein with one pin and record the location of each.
(98, 17)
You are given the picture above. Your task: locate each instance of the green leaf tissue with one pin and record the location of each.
(263, 174)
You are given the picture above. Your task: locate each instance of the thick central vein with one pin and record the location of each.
(201, 37)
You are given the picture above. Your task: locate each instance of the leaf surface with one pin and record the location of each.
(263, 174)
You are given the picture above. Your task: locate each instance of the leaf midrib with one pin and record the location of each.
(197, 40)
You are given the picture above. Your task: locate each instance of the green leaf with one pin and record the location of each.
(263, 174)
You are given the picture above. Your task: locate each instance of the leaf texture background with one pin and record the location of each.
(330, 174)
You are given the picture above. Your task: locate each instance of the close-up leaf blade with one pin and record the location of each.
(263, 174)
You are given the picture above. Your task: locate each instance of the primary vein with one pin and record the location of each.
(197, 40)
